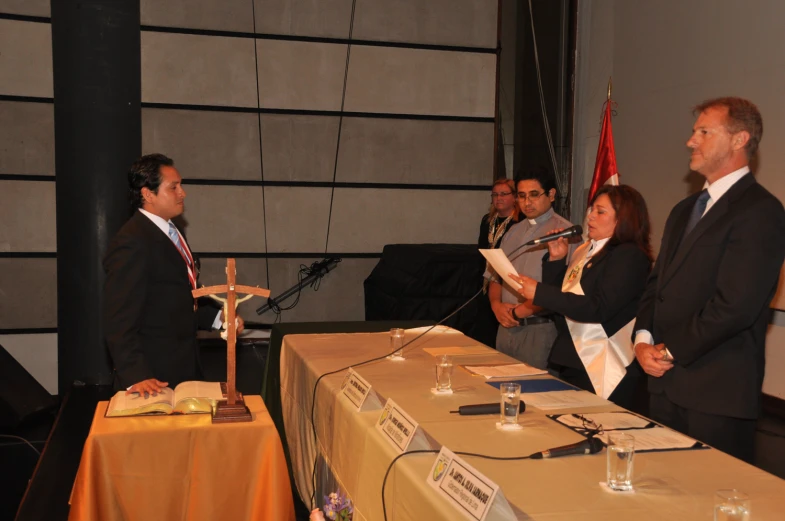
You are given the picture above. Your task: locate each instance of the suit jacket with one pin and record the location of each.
(707, 300)
(612, 281)
(149, 319)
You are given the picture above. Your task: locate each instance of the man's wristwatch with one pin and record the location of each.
(516, 317)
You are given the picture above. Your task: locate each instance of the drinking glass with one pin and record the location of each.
(621, 452)
(731, 505)
(444, 374)
(510, 403)
(396, 342)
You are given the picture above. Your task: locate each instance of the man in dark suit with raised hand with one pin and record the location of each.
(150, 316)
(702, 319)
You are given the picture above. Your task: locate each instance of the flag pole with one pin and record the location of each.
(610, 87)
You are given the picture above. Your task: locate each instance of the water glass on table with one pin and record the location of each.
(731, 505)
(396, 343)
(444, 375)
(621, 452)
(510, 403)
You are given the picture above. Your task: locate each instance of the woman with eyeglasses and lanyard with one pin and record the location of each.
(502, 214)
(597, 293)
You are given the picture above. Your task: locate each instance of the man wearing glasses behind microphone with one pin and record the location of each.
(526, 332)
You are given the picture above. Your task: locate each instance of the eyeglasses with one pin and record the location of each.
(494, 195)
(531, 196)
(590, 427)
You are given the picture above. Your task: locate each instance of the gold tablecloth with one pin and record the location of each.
(182, 468)
(670, 486)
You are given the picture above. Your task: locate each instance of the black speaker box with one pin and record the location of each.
(21, 396)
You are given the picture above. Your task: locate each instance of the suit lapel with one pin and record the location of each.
(163, 243)
(683, 246)
(597, 258)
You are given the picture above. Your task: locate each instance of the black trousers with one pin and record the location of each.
(735, 436)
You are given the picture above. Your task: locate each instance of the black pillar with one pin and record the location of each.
(97, 91)
(554, 28)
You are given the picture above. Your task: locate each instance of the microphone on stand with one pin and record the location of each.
(569, 232)
(587, 446)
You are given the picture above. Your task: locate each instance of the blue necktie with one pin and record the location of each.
(697, 211)
(176, 240)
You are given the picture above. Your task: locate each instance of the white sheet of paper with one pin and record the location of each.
(608, 420)
(655, 438)
(437, 329)
(502, 265)
(564, 400)
(457, 351)
(504, 371)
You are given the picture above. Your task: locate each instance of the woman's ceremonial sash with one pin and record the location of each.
(605, 359)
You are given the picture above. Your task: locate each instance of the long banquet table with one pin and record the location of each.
(670, 485)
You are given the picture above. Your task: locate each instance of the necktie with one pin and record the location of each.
(176, 240)
(697, 211)
(184, 253)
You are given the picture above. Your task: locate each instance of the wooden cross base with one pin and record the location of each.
(231, 413)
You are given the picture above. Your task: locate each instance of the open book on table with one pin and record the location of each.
(186, 398)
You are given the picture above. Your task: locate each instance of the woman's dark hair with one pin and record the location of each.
(632, 217)
(145, 173)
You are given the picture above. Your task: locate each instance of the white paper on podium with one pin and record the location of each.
(502, 265)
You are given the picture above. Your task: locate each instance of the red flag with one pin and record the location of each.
(605, 169)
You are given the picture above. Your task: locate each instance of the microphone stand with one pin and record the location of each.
(319, 270)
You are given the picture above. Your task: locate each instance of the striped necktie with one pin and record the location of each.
(176, 240)
(174, 235)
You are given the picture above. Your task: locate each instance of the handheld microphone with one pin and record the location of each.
(484, 408)
(569, 232)
(587, 446)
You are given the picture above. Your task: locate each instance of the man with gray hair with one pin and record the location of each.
(701, 325)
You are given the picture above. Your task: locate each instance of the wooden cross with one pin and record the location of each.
(233, 409)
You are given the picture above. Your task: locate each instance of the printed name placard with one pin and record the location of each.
(464, 487)
(396, 426)
(355, 388)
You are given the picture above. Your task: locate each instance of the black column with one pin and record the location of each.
(97, 90)
(554, 28)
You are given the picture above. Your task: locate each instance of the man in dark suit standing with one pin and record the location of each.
(702, 320)
(150, 317)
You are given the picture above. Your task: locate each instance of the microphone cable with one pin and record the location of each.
(434, 451)
(261, 150)
(375, 359)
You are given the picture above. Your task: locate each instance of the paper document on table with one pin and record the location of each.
(504, 371)
(656, 438)
(457, 351)
(434, 329)
(608, 420)
(564, 400)
(502, 265)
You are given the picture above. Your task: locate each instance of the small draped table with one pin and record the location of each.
(182, 467)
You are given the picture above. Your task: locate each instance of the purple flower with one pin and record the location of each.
(338, 507)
